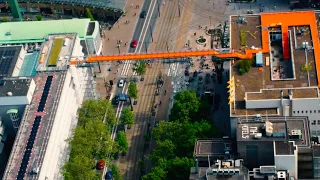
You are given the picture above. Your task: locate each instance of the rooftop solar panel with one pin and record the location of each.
(27, 152)
(44, 95)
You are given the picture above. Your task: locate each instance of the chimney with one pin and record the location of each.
(290, 93)
(197, 166)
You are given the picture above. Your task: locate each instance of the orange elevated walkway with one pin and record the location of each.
(164, 55)
(287, 19)
(285, 43)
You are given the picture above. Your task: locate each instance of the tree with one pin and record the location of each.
(97, 109)
(185, 106)
(122, 142)
(140, 67)
(179, 168)
(91, 140)
(156, 173)
(4, 20)
(127, 117)
(39, 17)
(116, 173)
(165, 149)
(133, 90)
(88, 14)
(244, 66)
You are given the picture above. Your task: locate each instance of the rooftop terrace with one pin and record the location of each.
(212, 147)
(282, 129)
(277, 73)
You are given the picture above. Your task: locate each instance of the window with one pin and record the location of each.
(318, 111)
(314, 122)
(318, 122)
(302, 112)
(298, 112)
(294, 112)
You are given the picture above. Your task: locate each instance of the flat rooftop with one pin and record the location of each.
(30, 145)
(284, 148)
(283, 129)
(36, 31)
(8, 59)
(14, 86)
(212, 147)
(277, 73)
(56, 52)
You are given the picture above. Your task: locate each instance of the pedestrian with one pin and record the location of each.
(125, 44)
(195, 33)
(108, 39)
(120, 41)
(134, 14)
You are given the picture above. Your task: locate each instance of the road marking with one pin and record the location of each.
(144, 30)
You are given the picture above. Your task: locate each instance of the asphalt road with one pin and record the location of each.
(144, 38)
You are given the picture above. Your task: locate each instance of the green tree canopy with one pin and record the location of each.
(91, 140)
(178, 166)
(122, 142)
(116, 173)
(244, 66)
(186, 104)
(93, 109)
(157, 173)
(133, 90)
(88, 14)
(39, 17)
(165, 149)
(127, 117)
(140, 67)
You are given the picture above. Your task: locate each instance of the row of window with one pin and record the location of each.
(307, 111)
(315, 121)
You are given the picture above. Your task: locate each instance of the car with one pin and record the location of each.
(100, 164)
(108, 175)
(134, 43)
(121, 83)
(143, 14)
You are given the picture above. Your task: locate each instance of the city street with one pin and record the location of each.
(174, 28)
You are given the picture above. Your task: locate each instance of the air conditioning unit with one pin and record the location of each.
(258, 135)
(281, 175)
(296, 132)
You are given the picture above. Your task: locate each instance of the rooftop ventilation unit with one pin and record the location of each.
(281, 175)
(296, 134)
(258, 135)
(269, 128)
(9, 94)
(258, 117)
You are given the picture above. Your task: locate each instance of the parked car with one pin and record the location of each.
(134, 43)
(108, 175)
(100, 164)
(143, 14)
(121, 83)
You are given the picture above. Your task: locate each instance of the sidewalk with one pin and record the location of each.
(122, 30)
